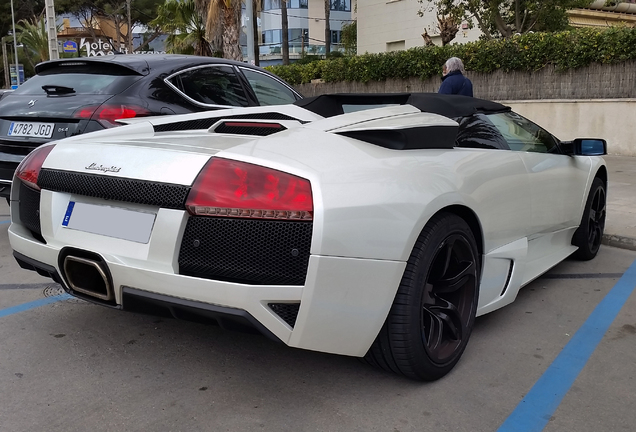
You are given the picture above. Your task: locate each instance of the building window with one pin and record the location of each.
(341, 5)
(395, 46)
(335, 36)
(272, 36)
(291, 4)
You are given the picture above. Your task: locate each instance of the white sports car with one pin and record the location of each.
(375, 226)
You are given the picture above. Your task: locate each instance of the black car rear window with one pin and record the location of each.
(91, 79)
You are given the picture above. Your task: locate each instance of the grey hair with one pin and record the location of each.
(454, 64)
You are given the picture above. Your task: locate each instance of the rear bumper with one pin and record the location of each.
(343, 303)
(135, 300)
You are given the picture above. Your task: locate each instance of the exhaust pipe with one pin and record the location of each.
(88, 277)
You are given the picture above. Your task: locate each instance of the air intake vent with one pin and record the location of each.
(256, 252)
(207, 123)
(29, 206)
(249, 128)
(287, 311)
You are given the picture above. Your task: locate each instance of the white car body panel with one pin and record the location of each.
(366, 220)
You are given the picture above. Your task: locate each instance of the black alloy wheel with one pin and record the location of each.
(447, 299)
(433, 313)
(589, 235)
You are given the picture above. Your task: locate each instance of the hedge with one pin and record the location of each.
(566, 50)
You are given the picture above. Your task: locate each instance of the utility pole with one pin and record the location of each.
(51, 28)
(302, 46)
(7, 76)
(249, 26)
(15, 47)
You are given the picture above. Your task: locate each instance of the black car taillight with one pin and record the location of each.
(106, 114)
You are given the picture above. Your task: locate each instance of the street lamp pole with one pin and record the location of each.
(15, 47)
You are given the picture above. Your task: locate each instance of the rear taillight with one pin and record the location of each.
(29, 168)
(107, 114)
(238, 189)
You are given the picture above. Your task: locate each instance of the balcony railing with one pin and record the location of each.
(294, 49)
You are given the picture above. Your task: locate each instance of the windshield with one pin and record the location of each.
(80, 83)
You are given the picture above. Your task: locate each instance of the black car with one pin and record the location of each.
(74, 96)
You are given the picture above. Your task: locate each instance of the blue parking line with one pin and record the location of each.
(537, 407)
(32, 305)
(4, 222)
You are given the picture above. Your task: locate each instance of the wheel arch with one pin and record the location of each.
(471, 219)
(602, 174)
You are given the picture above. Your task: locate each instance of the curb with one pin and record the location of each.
(618, 241)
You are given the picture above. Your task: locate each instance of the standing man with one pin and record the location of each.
(453, 79)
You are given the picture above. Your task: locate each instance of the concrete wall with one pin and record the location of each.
(611, 81)
(611, 119)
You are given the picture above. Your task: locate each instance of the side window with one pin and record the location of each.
(268, 90)
(211, 85)
(476, 131)
(523, 135)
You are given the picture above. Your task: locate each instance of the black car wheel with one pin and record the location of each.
(589, 235)
(433, 313)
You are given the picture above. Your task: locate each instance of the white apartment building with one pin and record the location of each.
(306, 22)
(393, 25)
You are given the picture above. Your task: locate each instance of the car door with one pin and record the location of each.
(505, 193)
(268, 89)
(554, 178)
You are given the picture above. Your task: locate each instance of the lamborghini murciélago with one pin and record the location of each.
(375, 226)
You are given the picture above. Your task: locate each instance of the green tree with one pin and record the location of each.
(185, 28)
(141, 13)
(33, 35)
(506, 18)
(349, 38)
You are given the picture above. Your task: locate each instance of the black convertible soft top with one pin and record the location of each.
(451, 106)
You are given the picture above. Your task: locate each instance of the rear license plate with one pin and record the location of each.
(109, 221)
(31, 129)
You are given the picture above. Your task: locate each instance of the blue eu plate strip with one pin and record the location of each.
(69, 210)
(535, 410)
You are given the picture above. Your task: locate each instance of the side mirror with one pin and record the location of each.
(590, 147)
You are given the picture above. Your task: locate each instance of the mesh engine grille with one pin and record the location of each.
(259, 252)
(287, 311)
(247, 130)
(208, 122)
(116, 189)
(30, 208)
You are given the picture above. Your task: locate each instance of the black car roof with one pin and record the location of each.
(451, 106)
(141, 64)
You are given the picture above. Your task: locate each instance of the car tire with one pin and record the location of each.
(433, 313)
(589, 234)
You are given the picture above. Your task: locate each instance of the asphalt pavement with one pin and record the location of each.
(620, 226)
(540, 363)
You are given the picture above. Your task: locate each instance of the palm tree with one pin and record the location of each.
(185, 26)
(223, 17)
(327, 26)
(33, 35)
(284, 31)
